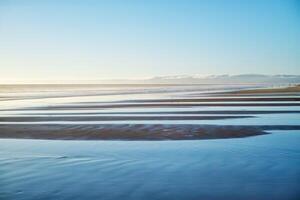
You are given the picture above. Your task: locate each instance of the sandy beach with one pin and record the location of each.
(281, 90)
(176, 118)
(116, 118)
(134, 132)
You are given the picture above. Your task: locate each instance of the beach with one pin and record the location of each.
(148, 142)
(149, 100)
(281, 90)
(132, 112)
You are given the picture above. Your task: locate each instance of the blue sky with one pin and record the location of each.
(63, 40)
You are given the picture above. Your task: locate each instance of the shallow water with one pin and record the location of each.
(42, 101)
(262, 167)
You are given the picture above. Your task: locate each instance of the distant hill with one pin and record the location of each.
(216, 79)
(187, 79)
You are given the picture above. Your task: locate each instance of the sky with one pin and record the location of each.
(133, 39)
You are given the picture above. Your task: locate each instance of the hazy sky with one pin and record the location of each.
(86, 39)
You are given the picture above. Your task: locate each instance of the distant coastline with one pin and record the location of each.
(291, 89)
(174, 80)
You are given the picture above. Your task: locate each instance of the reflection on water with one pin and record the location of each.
(80, 100)
(263, 167)
(12, 96)
(65, 100)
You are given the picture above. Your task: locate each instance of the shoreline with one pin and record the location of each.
(114, 118)
(9, 127)
(135, 131)
(283, 90)
(154, 105)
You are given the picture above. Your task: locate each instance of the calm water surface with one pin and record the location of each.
(262, 167)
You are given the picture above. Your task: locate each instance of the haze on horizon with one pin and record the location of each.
(130, 39)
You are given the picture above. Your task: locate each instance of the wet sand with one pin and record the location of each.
(134, 131)
(124, 130)
(115, 118)
(156, 105)
(236, 99)
(209, 112)
(285, 90)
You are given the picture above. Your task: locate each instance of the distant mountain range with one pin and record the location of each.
(185, 79)
(215, 79)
